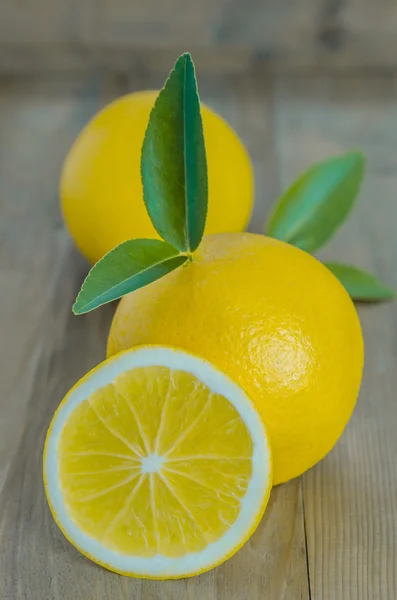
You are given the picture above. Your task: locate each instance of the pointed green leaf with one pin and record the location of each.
(129, 266)
(308, 214)
(173, 162)
(359, 284)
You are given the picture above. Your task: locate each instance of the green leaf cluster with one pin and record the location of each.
(309, 213)
(175, 186)
(175, 190)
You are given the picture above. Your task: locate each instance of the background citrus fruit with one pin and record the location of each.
(101, 189)
(273, 318)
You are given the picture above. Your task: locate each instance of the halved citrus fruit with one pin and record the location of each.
(157, 465)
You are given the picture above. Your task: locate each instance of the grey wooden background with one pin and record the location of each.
(85, 34)
(299, 81)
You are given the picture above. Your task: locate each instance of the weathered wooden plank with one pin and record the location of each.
(165, 23)
(40, 276)
(271, 28)
(51, 34)
(308, 33)
(35, 560)
(350, 498)
(38, 22)
(53, 59)
(37, 123)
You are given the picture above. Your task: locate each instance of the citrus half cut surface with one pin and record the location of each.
(157, 465)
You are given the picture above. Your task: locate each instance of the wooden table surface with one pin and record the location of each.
(331, 534)
(67, 34)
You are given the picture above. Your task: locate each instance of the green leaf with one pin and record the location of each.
(359, 284)
(173, 162)
(309, 213)
(129, 266)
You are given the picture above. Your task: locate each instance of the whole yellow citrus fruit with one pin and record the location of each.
(274, 319)
(101, 189)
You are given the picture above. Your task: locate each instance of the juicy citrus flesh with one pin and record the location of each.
(158, 499)
(155, 465)
(101, 189)
(275, 320)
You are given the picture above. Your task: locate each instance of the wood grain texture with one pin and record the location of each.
(38, 22)
(350, 498)
(37, 125)
(63, 34)
(36, 562)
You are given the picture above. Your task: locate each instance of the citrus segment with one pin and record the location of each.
(178, 530)
(133, 530)
(218, 430)
(228, 476)
(90, 436)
